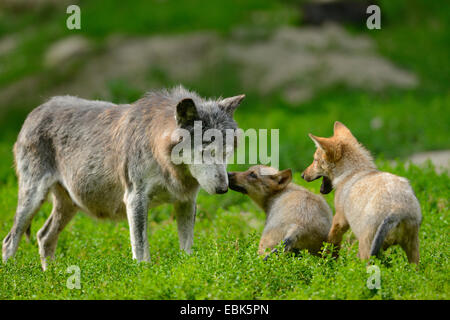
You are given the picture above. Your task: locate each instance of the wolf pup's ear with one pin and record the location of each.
(331, 148)
(340, 130)
(283, 178)
(230, 104)
(321, 143)
(186, 113)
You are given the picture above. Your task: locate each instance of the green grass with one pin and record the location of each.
(224, 263)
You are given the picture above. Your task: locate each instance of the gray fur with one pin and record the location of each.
(112, 162)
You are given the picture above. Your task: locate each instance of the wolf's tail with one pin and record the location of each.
(388, 223)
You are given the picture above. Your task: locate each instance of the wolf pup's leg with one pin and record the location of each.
(185, 213)
(365, 242)
(137, 215)
(32, 193)
(338, 228)
(287, 243)
(63, 211)
(411, 246)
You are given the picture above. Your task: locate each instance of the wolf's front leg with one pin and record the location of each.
(185, 212)
(338, 228)
(137, 215)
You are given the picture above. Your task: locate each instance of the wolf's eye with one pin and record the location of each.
(252, 175)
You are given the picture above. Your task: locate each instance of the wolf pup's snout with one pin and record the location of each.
(233, 183)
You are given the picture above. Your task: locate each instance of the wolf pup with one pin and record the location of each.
(295, 216)
(379, 207)
(113, 162)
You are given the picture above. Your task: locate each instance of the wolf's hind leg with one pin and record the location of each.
(32, 193)
(289, 241)
(364, 249)
(291, 238)
(365, 243)
(411, 247)
(63, 211)
(185, 213)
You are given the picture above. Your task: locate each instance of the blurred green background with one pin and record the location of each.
(390, 86)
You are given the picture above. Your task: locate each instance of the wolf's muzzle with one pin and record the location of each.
(222, 190)
(326, 186)
(232, 183)
(307, 179)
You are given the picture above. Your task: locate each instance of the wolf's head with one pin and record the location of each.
(260, 182)
(336, 157)
(206, 131)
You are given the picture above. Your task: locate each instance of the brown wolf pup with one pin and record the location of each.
(379, 207)
(295, 216)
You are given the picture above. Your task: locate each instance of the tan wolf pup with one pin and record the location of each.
(379, 207)
(295, 216)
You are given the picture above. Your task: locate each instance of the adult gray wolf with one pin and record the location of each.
(113, 162)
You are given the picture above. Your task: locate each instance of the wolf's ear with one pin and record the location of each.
(321, 143)
(330, 147)
(283, 178)
(230, 104)
(340, 130)
(186, 113)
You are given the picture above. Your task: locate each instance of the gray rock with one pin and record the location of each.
(8, 44)
(313, 58)
(440, 159)
(66, 51)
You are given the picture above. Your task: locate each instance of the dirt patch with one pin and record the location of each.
(66, 50)
(8, 44)
(440, 159)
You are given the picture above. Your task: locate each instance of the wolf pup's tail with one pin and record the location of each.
(388, 223)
